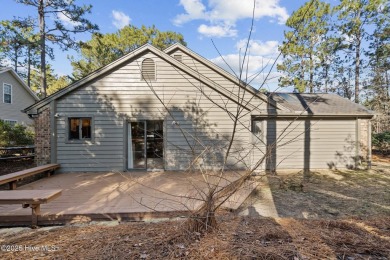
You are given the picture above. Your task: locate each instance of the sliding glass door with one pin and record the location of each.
(146, 143)
(136, 147)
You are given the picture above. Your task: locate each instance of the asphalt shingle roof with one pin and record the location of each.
(319, 104)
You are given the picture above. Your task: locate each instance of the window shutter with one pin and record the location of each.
(148, 70)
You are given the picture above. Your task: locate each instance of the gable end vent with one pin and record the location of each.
(177, 57)
(148, 69)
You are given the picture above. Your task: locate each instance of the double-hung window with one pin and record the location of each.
(7, 93)
(80, 128)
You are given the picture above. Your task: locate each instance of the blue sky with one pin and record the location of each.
(226, 22)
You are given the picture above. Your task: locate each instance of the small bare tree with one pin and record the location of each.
(217, 159)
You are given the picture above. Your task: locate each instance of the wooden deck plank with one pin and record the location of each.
(28, 196)
(28, 172)
(130, 193)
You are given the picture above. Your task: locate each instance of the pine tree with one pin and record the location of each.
(355, 16)
(302, 45)
(58, 33)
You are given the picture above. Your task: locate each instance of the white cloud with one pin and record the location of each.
(194, 10)
(120, 19)
(256, 69)
(253, 63)
(64, 17)
(217, 31)
(268, 48)
(228, 12)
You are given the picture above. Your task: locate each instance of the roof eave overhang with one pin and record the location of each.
(32, 109)
(24, 85)
(305, 115)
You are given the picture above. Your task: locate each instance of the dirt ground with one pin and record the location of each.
(327, 215)
(333, 194)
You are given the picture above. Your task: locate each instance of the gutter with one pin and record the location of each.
(304, 115)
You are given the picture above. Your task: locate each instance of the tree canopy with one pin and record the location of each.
(102, 49)
(302, 45)
(332, 49)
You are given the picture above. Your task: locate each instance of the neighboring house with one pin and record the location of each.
(15, 95)
(150, 108)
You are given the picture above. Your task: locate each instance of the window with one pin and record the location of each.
(257, 130)
(7, 93)
(10, 122)
(80, 128)
(148, 70)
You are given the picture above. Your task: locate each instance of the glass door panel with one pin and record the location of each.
(155, 144)
(136, 147)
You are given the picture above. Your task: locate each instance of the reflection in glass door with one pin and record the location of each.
(146, 145)
(136, 147)
(155, 144)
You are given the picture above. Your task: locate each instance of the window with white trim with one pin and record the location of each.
(79, 128)
(7, 93)
(148, 72)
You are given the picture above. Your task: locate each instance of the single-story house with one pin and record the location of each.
(15, 95)
(174, 110)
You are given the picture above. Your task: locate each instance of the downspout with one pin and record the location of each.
(53, 132)
(357, 145)
(369, 152)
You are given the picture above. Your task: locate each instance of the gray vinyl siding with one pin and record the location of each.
(311, 143)
(20, 100)
(121, 96)
(258, 105)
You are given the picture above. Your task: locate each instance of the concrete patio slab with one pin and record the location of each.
(129, 195)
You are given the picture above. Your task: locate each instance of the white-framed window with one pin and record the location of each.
(80, 128)
(10, 121)
(148, 71)
(7, 93)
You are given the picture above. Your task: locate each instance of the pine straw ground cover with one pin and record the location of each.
(338, 215)
(236, 238)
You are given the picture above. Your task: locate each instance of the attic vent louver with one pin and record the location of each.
(148, 70)
(177, 57)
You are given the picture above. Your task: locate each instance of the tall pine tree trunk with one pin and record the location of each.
(357, 59)
(326, 78)
(41, 14)
(357, 71)
(16, 57)
(29, 66)
(16, 60)
(311, 85)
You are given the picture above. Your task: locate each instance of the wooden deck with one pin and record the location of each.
(119, 196)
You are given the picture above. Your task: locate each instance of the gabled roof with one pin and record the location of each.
(320, 104)
(222, 72)
(128, 57)
(16, 76)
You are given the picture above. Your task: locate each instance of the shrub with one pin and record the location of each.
(17, 135)
(381, 142)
